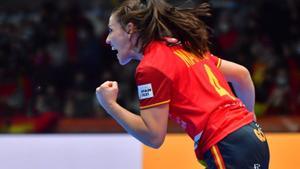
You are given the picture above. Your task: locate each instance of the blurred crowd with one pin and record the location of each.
(53, 55)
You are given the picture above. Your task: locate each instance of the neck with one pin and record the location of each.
(137, 49)
(137, 55)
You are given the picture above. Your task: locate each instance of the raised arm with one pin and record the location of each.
(150, 127)
(241, 81)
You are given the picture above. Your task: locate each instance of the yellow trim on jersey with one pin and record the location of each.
(155, 104)
(188, 58)
(219, 63)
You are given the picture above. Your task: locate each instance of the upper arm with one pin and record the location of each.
(233, 72)
(156, 120)
(154, 91)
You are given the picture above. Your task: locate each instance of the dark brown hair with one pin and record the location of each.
(156, 19)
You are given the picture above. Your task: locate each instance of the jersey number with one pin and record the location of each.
(215, 83)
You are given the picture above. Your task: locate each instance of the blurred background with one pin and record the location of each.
(53, 55)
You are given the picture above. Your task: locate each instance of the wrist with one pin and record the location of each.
(110, 106)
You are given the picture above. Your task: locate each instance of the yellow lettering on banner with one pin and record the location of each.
(188, 58)
(215, 83)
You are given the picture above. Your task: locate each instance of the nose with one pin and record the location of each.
(107, 41)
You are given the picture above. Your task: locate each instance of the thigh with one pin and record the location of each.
(246, 148)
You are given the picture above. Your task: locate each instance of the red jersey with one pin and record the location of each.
(199, 97)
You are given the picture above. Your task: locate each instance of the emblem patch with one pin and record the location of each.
(260, 135)
(145, 91)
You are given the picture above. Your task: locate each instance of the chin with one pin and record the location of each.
(124, 62)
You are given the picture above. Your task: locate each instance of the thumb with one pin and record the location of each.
(110, 84)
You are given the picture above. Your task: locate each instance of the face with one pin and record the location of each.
(121, 41)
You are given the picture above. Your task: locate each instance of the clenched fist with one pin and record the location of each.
(107, 93)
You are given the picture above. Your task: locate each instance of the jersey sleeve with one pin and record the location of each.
(154, 87)
(216, 60)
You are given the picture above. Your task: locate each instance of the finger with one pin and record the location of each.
(115, 84)
(103, 85)
(98, 89)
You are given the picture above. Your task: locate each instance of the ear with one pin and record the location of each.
(130, 28)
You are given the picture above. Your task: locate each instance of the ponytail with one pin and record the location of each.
(156, 19)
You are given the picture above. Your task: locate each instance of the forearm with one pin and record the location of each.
(133, 124)
(150, 127)
(245, 91)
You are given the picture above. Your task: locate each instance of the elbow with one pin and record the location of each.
(242, 74)
(156, 143)
(245, 72)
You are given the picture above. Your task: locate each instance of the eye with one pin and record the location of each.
(110, 30)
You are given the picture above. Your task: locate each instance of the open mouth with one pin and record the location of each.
(114, 50)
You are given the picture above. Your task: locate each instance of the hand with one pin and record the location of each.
(107, 93)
